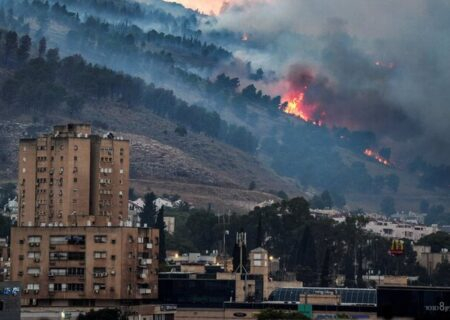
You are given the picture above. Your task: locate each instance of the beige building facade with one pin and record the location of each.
(72, 244)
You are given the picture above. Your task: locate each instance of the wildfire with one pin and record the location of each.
(374, 155)
(295, 104)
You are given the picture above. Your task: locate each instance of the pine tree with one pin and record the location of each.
(10, 45)
(42, 47)
(162, 236)
(23, 52)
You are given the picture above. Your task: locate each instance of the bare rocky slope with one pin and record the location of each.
(201, 170)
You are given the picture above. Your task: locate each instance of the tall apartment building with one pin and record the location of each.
(72, 244)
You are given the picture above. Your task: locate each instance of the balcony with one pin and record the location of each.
(142, 276)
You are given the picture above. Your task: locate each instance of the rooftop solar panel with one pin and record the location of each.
(351, 296)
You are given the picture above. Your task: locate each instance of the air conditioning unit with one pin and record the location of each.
(36, 275)
(37, 244)
(149, 245)
(96, 290)
(113, 272)
(25, 290)
(37, 260)
(31, 244)
(36, 291)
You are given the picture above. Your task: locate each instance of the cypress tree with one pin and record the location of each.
(148, 215)
(162, 236)
(259, 232)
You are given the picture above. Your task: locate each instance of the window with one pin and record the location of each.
(113, 241)
(99, 286)
(75, 158)
(75, 287)
(58, 271)
(80, 240)
(75, 255)
(34, 271)
(121, 171)
(75, 271)
(33, 286)
(34, 255)
(100, 239)
(57, 287)
(58, 256)
(75, 180)
(34, 239)
(100, 272)
(58, 240)
(113, 257)
(99, 254)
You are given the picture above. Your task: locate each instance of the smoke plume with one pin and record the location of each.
(377, 65)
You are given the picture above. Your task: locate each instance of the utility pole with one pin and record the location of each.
(241, 240)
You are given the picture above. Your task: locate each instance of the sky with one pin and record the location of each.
(205, 6)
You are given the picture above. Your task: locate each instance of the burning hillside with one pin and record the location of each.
(377, 157)
(296, 105)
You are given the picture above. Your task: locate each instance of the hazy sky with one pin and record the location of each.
(205, 6)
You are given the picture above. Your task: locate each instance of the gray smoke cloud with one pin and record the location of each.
(381, 65)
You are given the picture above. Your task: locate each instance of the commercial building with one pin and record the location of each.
(211, 288)
(73, 244)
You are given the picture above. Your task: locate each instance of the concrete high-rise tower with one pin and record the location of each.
(73, 244)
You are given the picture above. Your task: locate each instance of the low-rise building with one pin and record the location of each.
(428, 259)
(396, 230)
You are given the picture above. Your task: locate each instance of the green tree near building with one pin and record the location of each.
(161, 226)
(148, 215)
(259, 232)
(325, 274)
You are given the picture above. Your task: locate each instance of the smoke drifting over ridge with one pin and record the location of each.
(377, 65)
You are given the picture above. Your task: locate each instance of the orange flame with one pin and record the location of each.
(295, 104)
(374, 155)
